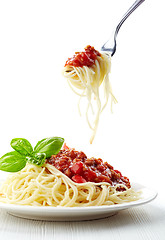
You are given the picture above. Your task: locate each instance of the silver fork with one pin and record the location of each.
(110, 45)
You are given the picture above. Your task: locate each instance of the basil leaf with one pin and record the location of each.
(37, 159)
(49, 146)
(12, 162)
(22, 146)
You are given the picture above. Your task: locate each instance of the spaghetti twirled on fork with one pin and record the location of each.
(85, 72)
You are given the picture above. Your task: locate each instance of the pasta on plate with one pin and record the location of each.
(68, 179)
(34, 186)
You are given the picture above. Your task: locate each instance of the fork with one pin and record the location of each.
(110, 45)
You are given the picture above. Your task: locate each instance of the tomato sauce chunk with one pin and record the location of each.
(81, 169)
(85, 58)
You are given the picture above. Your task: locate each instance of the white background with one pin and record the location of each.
(37, 37)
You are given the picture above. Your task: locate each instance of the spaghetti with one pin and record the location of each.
(85, 72)
(47, 186)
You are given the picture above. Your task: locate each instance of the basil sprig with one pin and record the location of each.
(16, 160)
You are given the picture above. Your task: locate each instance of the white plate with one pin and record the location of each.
(77, 213)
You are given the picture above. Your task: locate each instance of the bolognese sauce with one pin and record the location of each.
(85, 58)
(81, 169)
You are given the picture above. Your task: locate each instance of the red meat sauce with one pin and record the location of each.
(81, 169)
(86, 58)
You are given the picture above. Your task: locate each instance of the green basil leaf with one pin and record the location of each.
(37, 159)
(12, 162)
(22, 146)
(49, 146)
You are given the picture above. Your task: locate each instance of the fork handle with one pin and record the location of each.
(127, 14)
(105, 47)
